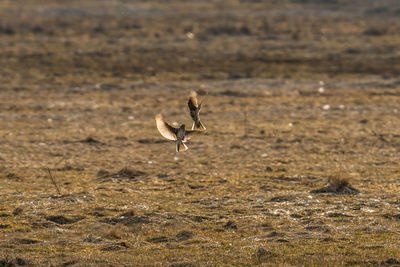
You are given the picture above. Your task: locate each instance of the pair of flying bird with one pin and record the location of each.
(180, 135)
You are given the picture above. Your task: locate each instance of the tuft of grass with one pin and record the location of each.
(338, 184)
(338, 181)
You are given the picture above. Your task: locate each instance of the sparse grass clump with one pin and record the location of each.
(338, 181)
(337, 184)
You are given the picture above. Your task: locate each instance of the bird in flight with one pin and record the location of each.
(194, 108)
(180, 135)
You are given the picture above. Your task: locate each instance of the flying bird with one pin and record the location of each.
(194, 108)
(180, 135)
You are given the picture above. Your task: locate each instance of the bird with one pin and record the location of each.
(180, 135)
(194, 108)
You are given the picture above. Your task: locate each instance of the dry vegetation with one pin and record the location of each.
(286, 174)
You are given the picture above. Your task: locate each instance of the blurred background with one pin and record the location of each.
(84, 41)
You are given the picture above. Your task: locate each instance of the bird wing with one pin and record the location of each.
(192, 103)
(165, 129)
(189, 134)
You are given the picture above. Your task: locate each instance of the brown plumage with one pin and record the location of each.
(180, 135)
(194, 108)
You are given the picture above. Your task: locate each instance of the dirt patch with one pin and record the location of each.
(18, 261)
(26, 241)
(124, 173)
(59, 219)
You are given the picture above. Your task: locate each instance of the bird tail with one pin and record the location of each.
(197, 125)
(180, 146)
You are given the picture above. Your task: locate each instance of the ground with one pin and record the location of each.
(296, 93)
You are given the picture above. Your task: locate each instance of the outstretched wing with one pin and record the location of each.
(165, 129)
(190, 133)
(192, 103)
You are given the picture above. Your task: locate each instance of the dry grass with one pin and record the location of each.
(81, 84)
(339, 184)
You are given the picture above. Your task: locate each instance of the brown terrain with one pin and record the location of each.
(299, 165)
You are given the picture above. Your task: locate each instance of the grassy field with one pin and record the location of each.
(299, 165)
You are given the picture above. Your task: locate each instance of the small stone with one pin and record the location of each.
(326, 107)
(190, 35)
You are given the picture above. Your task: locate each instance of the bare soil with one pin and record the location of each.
(299, 164)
